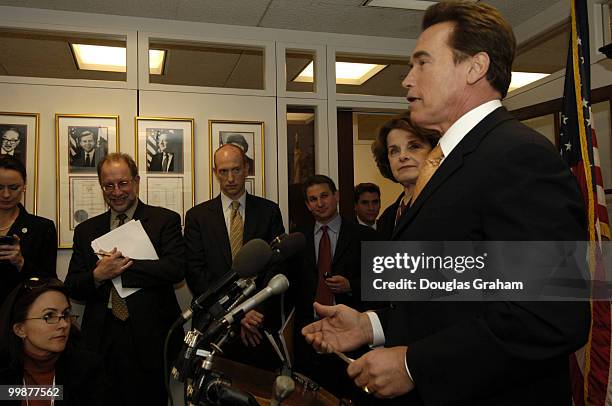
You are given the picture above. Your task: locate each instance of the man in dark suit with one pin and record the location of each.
(328, 272)
(88, 154)
(215, 230)
(165, 160)
(129, 332)
(489, 179)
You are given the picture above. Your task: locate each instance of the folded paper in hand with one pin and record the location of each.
(133, 242)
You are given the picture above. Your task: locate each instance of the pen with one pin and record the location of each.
(104, 253)
(343, 357)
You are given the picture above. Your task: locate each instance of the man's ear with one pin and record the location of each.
(18, 330)
(479, 66)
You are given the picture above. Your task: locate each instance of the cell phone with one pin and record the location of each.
(7, 240)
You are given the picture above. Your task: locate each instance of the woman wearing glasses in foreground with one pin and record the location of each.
(37, 345)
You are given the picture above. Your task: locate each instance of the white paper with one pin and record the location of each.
(133, 242)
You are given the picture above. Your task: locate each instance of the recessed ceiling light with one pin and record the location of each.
(520, 79)
(112, 59)
(405, 4)
(347, 73)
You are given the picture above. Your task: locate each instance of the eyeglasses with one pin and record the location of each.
(11, 141)
(124, 185)
(55, 318)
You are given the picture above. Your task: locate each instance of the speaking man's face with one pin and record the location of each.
(437, 87)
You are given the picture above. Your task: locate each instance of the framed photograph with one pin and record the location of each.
(248, 135)
(165, 162)
(81, 142)
(19, 134)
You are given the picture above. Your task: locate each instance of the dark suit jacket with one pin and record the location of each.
(346, 262)
(38, 247)
(157, 159)
(386, 222)
(502, 182)
(324, 369)
(78, 160)
(152, 309)
(209, 255)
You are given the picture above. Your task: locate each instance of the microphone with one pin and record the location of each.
(285, 246)
(282, 389)
(248, 261)
(277, 285)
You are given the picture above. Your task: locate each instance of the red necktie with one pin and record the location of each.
(324, 294)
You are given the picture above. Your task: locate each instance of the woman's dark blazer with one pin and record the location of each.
(81, 373)
(38, 247)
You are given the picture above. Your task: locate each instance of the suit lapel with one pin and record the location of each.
(344, 239)
(218, 224)
(452, 163)
(250, 212)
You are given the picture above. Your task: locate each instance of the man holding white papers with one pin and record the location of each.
(129, 331)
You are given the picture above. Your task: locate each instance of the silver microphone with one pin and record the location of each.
(277, 285)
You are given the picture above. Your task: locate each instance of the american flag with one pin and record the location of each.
(590, 370)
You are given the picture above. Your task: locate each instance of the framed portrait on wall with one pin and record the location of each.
(81, 142)
(19, 134)
(165, 162)
(249, 136)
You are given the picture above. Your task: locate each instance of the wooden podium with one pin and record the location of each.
(259, 383)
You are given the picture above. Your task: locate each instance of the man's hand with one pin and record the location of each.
(341, 328)
(383, 372)
(12, 253)
(249, 328)
(111, 266)
(338, 284)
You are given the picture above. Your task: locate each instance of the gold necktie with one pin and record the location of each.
(120, 309)
(236, 228)
(429, 167)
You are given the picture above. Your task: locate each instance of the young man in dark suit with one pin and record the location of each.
(328, 272)
(129, 332)
(489, 179)
(215, 230)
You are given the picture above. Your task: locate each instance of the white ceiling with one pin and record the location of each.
(334, 16)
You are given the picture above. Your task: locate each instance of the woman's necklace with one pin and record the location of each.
(12, 220)
(52, 399)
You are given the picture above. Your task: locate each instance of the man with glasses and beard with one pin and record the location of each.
(129, 332)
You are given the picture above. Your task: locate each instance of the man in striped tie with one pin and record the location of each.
(214, 232)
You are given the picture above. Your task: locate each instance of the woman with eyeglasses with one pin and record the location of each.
(38, 346)
(28, 243)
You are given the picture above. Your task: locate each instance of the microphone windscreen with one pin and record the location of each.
(252, 258)
(292, 244)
